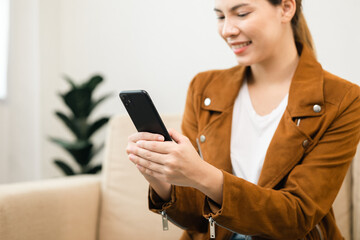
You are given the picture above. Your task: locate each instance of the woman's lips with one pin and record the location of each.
(240, 47)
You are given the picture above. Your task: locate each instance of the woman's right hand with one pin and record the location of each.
(162, 188)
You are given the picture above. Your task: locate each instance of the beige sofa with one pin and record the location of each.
(114, 206)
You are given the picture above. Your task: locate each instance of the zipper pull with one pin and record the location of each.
(165, 222)
(212, 228)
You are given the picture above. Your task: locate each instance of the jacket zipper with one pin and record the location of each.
(212, 227)
(212, 224)
(319, 231)
(165, 221)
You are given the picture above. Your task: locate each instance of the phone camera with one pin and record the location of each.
(126, 101)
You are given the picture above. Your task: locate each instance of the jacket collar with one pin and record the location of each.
(306, 88)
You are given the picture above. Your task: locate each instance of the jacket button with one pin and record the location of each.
(207, 101)
(305, 143)
(317, 108)
(202, 138)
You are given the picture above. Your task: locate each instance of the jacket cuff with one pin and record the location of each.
(156, 203)
(214, 210)
(211, 207)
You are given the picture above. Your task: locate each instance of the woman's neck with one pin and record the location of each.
(278, 69)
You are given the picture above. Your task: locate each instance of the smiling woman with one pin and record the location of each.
(4, 32)
(262, 173)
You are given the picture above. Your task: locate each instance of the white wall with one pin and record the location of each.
(154, 45)
(20, 112)
(334, 26)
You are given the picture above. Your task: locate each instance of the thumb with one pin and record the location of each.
(175, 135)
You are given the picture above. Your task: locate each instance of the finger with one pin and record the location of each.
(145, 171)
(158, 147)
(147, 155)
(130, 147)
(176, 136)
(146, 164)
(145, 136)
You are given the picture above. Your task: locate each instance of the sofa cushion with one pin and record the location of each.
(124, 207)
(56, 209)
(343, 206)
(356, 195)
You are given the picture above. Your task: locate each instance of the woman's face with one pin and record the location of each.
(252, 28)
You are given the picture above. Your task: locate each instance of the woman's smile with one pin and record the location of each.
(239, 47)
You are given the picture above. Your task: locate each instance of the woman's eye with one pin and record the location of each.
(243, 14)
(220, 17)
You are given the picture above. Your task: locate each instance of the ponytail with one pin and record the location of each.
(299, 26)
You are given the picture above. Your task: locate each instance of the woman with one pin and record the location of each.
(266, 144)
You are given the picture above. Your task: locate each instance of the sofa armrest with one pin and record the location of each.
(57, 209)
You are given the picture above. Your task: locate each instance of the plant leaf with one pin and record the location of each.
(80, 150)
(67, 170)
(100, 100)
(96, 126)
(79, 101)
(70, 81)
(70, 123)
(93, 82)
(83, 126)
(94, 170)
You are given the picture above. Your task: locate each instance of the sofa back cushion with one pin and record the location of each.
(343, 207)
(124, 208)
(347, 203)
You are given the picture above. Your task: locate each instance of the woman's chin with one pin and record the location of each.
(244, 61)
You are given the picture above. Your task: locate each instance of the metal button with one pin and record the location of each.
(202, 138)
(207, 101)
(305, 143)
(317, 108)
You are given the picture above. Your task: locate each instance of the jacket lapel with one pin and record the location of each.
(224, 89)
(286, 147)
(289, 142)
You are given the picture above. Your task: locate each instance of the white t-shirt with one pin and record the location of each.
(251, 135)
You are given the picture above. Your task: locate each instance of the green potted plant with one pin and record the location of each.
(79, 100)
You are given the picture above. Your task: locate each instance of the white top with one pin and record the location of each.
(251, 135)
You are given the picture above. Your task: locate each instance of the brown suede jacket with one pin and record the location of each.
(303, 169)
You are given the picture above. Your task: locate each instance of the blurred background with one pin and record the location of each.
(153, 45)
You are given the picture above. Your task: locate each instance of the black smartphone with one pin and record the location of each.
(143, 113)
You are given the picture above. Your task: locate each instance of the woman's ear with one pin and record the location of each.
(288, 10)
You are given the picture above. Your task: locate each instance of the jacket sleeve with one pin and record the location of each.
(186, 205)
(308, 192)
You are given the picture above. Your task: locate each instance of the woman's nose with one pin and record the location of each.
(230, 29)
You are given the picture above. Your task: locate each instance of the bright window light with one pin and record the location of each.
(4, 37)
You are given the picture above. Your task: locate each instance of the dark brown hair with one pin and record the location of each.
(299, 26)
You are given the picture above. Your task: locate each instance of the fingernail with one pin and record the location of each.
(160, 138)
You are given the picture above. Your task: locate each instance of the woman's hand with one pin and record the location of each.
(162, 188)
(176, 163)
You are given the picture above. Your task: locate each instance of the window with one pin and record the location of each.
(4, 37)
